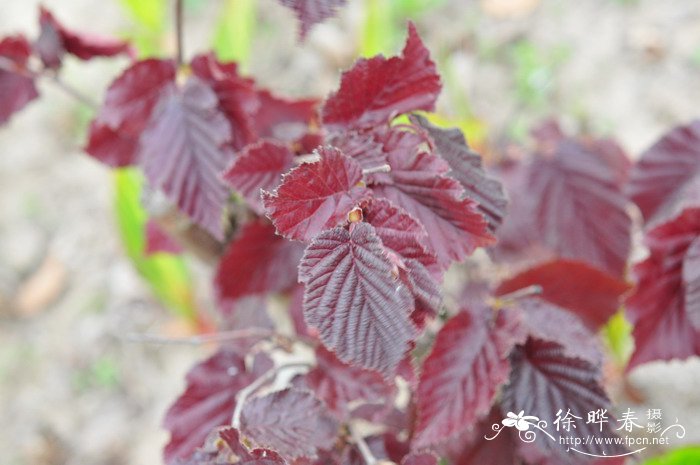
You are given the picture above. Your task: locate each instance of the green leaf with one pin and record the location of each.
(235, 30)
(685, 456)
(380, 31)
(148, 13)
(617, 334)
(166, 274)
(150, 16)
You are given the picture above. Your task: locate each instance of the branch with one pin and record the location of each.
(385, 168)
(510, 298)
(223, 336)
(247, 391)
(179, 32)
(361, 444)
(11, 67)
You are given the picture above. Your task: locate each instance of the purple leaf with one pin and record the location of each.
(17, 87)
(310, 12)
(460, 377)
(338, 383)
(667, 175)
(208, 401)
(417, 182)
(292, 422)
(663, 328)
(224, 447)
(466, 167)
(353, 299)
(568, 202)
(183, 153)
(55, 40)
(545, 379)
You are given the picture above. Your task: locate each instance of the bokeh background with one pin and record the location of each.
(75, 387)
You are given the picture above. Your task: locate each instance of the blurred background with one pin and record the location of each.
(75, 388)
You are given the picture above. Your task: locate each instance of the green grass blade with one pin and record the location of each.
(617, 334)
(235, 30)
(167, 275)
(685, 456)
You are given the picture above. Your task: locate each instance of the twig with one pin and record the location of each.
(528, 291)
(73, 92)
(10, 66)
(510, 298)
(247, 391)
(179, 31)
(361, 444)
(222, 336)
(385, 168)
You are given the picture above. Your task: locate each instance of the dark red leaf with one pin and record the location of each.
(417, 183)
(545, 379)
(591, 294)
(398, 230)
(131, 98)
(292, 422)
(183, 153)
(691, 283)
(466, 167)
(16, 83)
(315, 196)
(208, 401)
(365, 146)
(568, 201)
(424, 288)
(254, 113)
(376, 90)
(663, 328)
(111, 147)
(310, 12)
(259, 166)
(471, 447)
(668, 173)
(55, 40)
(404, 239)
(283, 119)
(545, 321)
(157, 240)
(238, 97)
(359, 308)
(337, 383)
(465, 369)
(224, 447)
(257, 261)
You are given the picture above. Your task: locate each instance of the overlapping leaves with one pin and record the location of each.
(293, 422)
(663, 308)
(208, 400)
(460, 377)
